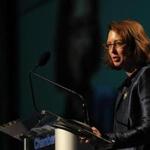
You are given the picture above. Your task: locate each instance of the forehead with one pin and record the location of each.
(113, 36)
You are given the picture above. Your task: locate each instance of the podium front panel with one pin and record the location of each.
(40, 143)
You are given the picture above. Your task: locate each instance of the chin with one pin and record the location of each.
(117, 66)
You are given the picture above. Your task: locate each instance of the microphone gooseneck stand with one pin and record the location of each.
(64, 139)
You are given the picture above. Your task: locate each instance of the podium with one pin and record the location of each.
(48, 131)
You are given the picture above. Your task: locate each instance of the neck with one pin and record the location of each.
(130, 68)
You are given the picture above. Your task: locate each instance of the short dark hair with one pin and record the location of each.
(138, 43)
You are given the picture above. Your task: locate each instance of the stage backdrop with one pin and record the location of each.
(30, 27)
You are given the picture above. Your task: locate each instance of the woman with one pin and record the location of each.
(128, 48)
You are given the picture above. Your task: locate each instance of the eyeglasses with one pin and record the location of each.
(116, 44)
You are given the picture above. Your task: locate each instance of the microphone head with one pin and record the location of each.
(44, 59)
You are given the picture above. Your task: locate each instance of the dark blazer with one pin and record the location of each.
(132, 113)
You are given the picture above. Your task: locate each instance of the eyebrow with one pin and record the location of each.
(119, 40)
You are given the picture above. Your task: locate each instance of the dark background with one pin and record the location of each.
(73, 31)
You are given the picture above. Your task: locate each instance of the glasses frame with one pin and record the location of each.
(116, 44)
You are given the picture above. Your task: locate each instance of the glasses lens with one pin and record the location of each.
(116, 44)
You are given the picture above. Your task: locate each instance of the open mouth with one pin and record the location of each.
(116, 59)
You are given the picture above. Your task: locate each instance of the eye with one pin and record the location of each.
(108, 45)
(119, 43)
(116, 44)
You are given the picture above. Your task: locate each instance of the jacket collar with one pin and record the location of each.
(124, 87)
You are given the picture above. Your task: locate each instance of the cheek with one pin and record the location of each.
(109, 53)
(122, 53)
(125, 56)
(109, 56)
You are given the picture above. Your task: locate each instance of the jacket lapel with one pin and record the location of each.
(119, 99)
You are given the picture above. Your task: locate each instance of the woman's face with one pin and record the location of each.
(116, 49)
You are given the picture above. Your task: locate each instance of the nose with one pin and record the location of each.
(112, 49)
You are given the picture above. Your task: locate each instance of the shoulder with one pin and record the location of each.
(143, 72)
(147, 67)
(143, 77)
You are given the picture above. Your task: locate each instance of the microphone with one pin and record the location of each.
(42, 61)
